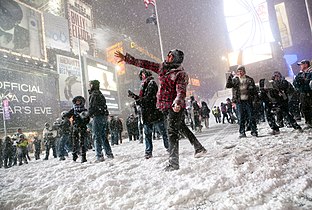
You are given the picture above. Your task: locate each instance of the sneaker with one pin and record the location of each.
(200, 153)
(242, 135)
(148, 156)
(99, 159)
(171, 168)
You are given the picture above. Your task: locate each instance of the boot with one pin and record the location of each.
(75, 156)
(83, 159)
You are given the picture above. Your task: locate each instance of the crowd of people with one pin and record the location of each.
(165, 112)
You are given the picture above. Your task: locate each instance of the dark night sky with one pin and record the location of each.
(197, 27)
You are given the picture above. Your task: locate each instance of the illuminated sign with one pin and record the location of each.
(56, 31)
(107, 76)
(69, 79)
(249, 30)
(145, 52)
(195, 82)
(283, 25)
(80, 24)
(112, 59)
(21, 30)
(32, 98)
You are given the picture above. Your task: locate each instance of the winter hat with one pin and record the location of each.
(275, 74)
(79, 98)
(146, 72)
(241, 68)
(304, 62)
(95, 84)
(178, 56)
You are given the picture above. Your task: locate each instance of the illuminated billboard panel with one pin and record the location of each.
(21, 29)
(70, 84)
(106, 74)
(249, 29)
(80, 24)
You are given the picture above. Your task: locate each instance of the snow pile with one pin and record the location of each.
(268, 172)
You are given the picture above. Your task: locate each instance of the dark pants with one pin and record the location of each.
(176, 126)
(306, 107)
(79, 136)
(246, 115)
(268, 108)
(50, 143)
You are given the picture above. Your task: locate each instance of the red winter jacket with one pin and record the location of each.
(172, 82)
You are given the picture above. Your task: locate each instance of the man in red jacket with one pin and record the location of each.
(173, 81)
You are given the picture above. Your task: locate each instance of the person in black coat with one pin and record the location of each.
(150, 114)
(99, 113)
(80, 121)
(274, 94)
(7, 152)
(204, 112)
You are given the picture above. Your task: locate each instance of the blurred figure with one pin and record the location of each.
(302, 84)
(37, 145)
(65, 132)
(49, 141)
(7, 152)
(114, 130)
(22, 144)
(196, 115)
(205, 111)
(132, 127)
(216, 113)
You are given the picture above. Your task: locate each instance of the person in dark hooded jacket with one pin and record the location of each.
(173, 81)
(150, 114)
(98, 111)
(80, 121)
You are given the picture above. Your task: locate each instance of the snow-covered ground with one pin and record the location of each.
(268, 172)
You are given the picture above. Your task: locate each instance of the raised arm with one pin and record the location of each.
(137, 62)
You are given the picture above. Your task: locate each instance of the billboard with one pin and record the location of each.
(56, 32)
(283, 25)
(106, 74)
(249, 30)
(31, 99)
(80, 24)
(70, 84)
(21, 29)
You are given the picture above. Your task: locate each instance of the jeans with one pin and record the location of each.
(162, 127)
(64, 139)
(246, 115)
(114, 137)
(99, 126)
(148, 131)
